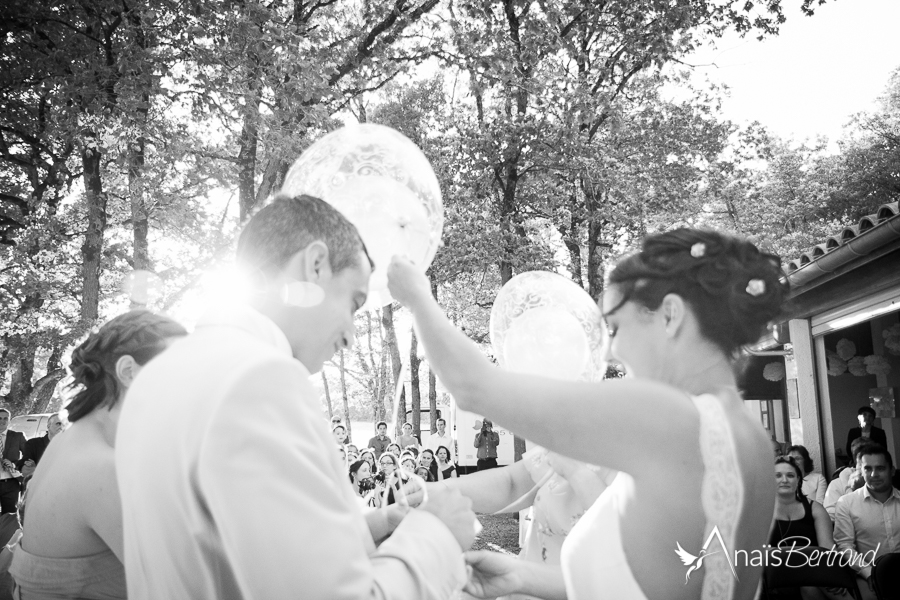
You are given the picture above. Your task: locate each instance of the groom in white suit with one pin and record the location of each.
(230, 485)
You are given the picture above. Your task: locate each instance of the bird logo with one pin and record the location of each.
(695, 562)
(688, 559)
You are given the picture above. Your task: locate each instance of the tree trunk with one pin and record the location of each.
(344, 395)
(20, 385)
(415, 394)
(432, 399)
(42, 394)
(327, 394)
(387, 321)
(92, 248)
(595, 245)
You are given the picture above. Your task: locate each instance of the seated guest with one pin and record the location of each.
(795, 515)
(414, 451)
(352, 449)
(394, 449)
(866, 417)
(424, 474)
(848, 480)
(72, 545)
(445, 468)
(34, 448)
(408, 463)
(364, 484)
(867, 521)
(368, 455)
(814, 484)
(426, 459)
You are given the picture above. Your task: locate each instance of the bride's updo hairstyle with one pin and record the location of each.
(734, 290)
(139, 334)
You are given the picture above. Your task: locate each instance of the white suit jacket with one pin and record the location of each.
(232, 489)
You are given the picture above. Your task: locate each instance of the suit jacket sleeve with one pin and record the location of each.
(15, 444)
(287, 517)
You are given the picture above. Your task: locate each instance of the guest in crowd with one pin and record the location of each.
(242, 495)
(388, 463)
(867, 521)
(424, 474)
(426, 459)
(394, 448)
(414, 451)
(445, 468)
(866, 417)
(364, 484)
(407, 439)
(72, 544)
(34, 448)
(848, 479)
(408, 463)
(352, 449)
(12, 443)
(487, 441)
(796, 516)
(814, 484)
(799, 522)
(441, 437)
(342, 453)
(340, 435)
(368, 455)
(380, 441)
(778, 448)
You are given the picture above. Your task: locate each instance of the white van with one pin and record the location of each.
(31, 425)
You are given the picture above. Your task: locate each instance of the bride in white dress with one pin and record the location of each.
(693, 461)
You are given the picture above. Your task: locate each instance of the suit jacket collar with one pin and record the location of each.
(250, 321)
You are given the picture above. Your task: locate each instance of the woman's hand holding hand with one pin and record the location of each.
(564, 466)
(407, 283)
(492, 574)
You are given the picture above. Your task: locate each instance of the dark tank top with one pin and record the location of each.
(804, 527)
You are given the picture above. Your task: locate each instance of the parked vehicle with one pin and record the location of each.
(31, 425)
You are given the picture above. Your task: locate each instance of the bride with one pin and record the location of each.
(693, 461)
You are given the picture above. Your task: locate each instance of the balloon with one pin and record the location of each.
(544, 324)
(142, 287)
(384, 185)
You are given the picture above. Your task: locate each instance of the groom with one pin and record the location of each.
(230, 485)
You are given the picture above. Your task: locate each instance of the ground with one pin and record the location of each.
(500, 532)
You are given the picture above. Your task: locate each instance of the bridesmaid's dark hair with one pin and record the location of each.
(734, 289)
(139, 334)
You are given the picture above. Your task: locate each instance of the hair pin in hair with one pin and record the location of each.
(756, 287)
(698, 250)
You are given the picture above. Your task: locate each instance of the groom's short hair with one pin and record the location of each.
(289, 224)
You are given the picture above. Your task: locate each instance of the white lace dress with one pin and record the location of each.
(593, 560)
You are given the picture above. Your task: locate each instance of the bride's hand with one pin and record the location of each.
(407, 282)
(492, 574)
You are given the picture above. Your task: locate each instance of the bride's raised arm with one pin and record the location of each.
(557, 414)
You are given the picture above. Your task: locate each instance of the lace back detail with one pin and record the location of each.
(721, 495)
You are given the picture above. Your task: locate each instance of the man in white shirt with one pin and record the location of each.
(442, 438)
(867, 521)
(231, 488)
